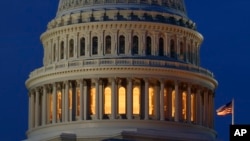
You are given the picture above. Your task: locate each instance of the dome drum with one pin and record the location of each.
(124, 69)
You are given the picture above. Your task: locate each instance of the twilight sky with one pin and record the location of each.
(225, 25)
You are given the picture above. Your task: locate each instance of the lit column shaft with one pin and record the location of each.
(96, 99)
(66, 96)
(81, 100)
(113, 99)
(85, 101)
(129, 99)
(162, 101)
(100, 87)
(54, 103)
(189, 103)
(146, 100)
(176, 116)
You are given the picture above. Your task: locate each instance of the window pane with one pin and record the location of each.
(82, 47)
(136, 100)
(94, 45)
(121, 45)
(108, 45)
(122, 100)
(107, 100)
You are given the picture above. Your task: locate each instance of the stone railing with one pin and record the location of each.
(120, 62)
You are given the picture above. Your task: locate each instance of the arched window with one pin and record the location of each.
(136, 100)
(107, 100)
(172, 49)
(54, 52)
(181, 51)
(108, 45)
(148, 46)
(94, 46)
(122, 100)
(161, 47)
(62, 50)
(121, 45)
(82, 46)
(135, 45)
(71, 48)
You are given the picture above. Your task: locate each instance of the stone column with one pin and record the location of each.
(169, 103)
(66, 96)
(85, 100)
(54, 97)
(96, 98)
(101, 109)
(157, 102)
(31, 110)
(63, 101)
(113, 99)
(189, 103)
(162, 101)
(205, 108)
(44, 105)
(146, 110)
(81, 100)
(37, 108)
(176, 114)
(129, 99)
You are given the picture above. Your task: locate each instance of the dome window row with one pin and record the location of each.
(150, 47)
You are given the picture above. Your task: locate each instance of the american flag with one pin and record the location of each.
(225, 109)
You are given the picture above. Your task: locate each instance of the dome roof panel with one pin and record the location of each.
(176, 7)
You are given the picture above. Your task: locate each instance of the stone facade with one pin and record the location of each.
(124, 72)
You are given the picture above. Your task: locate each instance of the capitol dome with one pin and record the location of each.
(121, 69)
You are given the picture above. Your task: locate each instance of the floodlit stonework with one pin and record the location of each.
(121, 69)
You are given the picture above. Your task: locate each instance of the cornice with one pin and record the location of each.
(121, 25)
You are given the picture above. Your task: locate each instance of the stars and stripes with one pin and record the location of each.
(225, 109)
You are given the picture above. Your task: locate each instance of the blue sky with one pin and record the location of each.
(225, 51)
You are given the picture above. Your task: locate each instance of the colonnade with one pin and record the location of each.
(120, 98)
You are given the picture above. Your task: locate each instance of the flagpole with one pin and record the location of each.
(233, 111)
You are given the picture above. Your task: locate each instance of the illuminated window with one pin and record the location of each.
(108, 45)
(78, 102)
(136, 100)
(92, 101)
(173, 103)
(192, 107)
(82, 46)
(184, 105)
(107, 100)
(59, 105)
(71, 48)
(151, 101)
(50, 108)
(148, 46)
(62, 50)
(70, 99)
(121, 44)
(122, 100)
(135, 45)
(161, 47)
(94, 46)
(165, 103)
